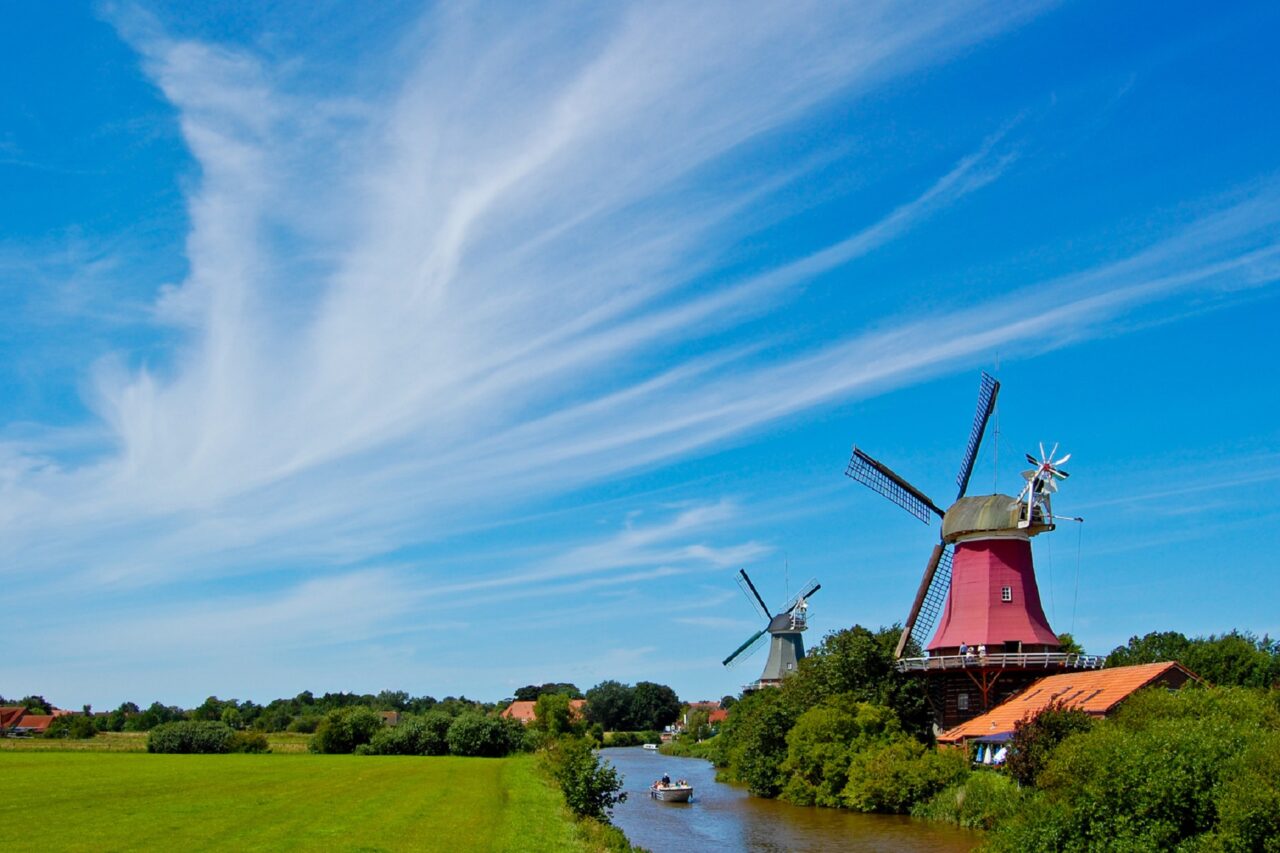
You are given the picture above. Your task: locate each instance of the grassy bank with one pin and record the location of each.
(120, 800)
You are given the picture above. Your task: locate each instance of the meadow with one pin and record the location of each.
(104, 799)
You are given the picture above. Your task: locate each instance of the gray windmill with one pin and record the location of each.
(786, 647)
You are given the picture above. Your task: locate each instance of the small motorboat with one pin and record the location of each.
(652, 746)
(678, 792)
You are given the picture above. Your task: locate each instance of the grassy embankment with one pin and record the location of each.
(96, 799)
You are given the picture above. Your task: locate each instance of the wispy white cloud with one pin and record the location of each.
(509, 279)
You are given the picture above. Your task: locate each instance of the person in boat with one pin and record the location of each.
(666, 780)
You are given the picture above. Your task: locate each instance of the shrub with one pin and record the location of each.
(344, 729)
(306, 724)
(488, 737)
(894, 777)
(981, 801)
(1249, 802)
(822, 743)
(1035, 738)
(1170, 770)
(591, 786)
(425, 735)
(78, 726)
(757, 734)
(190, 736)
(249, 742)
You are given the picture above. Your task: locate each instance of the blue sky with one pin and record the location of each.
(450, 349)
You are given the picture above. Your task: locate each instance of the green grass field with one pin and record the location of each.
(103, 800)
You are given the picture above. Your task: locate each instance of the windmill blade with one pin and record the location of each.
(988, 388)
(1062, 461)
(763, 607)
(809, 589)
(1034, 461)
(881, 479)
(748, 648)
(930, 571)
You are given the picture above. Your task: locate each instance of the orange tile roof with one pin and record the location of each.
(523, 710)
(35, 722)
(10, 714)
(1096, 692)
(717, 716)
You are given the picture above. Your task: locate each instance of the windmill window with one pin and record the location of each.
(962, 702)
(1006, 593)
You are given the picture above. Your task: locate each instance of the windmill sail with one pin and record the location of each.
(809, 589)
(879, 478)
(988, 388)
(744, 581)
(931, 597)
(748, 648)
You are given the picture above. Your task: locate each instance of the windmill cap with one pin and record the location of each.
(988, 514)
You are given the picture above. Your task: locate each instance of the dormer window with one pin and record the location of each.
(1006, 593)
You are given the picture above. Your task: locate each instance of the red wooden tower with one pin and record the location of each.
(992, 639)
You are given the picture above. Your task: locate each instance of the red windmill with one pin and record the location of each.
(993, 638)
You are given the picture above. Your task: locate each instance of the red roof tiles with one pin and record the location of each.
(1096, 692)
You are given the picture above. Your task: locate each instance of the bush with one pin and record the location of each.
(894, 777)
(983, 800)
(1035, 739)
(631, 738)
(249, 742)
(756, 732)
(425, 735)
(190, 736)
(487, 737)
(78, 726)
(305, 725)
(823, 742)
(591, 786)
(1170, 770)
(344, 729)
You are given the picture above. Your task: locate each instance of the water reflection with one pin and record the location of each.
(723, 817)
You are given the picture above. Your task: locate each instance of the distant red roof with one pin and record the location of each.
(34, 723)
(717, 716)
(704, 706)
(1095, 691)
(10, 714)
(523, 710)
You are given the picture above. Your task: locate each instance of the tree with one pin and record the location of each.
(653, 706)
(531, 692)
(860, 663)
(554, 716)
(36, 705)
(609, 704)
(479, 735)
(756, 737)
(344, 729)
(824, 740)
(1069, 644)
(1153, 647)
(591, 786)
(391, 700)
(77, 726)
(1164, 773)
(1234, 659)
(1035, 738)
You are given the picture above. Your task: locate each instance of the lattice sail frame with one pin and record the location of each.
(988, 389)
(877, 477)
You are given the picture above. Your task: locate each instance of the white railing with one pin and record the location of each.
(1019, 660)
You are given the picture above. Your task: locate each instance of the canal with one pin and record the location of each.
(726, 818)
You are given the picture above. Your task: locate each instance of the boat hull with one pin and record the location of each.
(672, 793)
